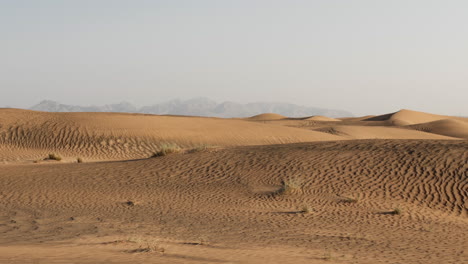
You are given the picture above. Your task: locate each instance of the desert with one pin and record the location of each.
(246, 132)
(142, 188)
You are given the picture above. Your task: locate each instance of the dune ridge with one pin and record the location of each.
(267, 116)
(447, 127)
(379, 132)
(27, 135)
(409, 117)
(107, 136)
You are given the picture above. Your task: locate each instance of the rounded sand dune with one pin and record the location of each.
(378, 132)
(267, 117)
(446, 127)
(106, 136)
(409, 117)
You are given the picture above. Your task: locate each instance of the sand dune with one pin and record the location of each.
(388, 126)
(274, 190)
(211, 207)
(26, 136)
(409, 117)
(106, 136)
(377, 132)
(266, 116)
(446, 127)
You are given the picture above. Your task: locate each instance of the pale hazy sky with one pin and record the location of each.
(364, 56)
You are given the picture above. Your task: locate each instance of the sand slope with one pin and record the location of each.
(28, 135)
(228, 204)
(266, 116)
(106, 136)
(409, 117)
(378, 132)
(221, 207)
(447, 127)
(389, 126)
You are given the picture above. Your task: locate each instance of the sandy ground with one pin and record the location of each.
(268, 189)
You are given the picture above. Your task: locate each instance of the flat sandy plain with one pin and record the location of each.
(265, 189)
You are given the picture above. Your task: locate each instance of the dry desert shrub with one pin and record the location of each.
(167, 148)
(396, 211)
(201, 240)
(290, 186)
(79, 160)
(327, 256)
(149, 248)
(130, 203)
(145, 245)
(53, 156)
(306, 209)
(349, 200)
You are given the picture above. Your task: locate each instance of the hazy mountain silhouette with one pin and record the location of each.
(197, 107)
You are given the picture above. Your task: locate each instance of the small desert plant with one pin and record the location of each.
(290, 186)
(203, 240)
(396, 211)
(145, 245)
(349, 200)
(134, 239)
(53, 156)
(79, 160)
(306, 209)
(327, 256)
(130, 203)
(149, 247)
(166, 149)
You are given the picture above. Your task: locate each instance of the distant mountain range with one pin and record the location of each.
(198, 107)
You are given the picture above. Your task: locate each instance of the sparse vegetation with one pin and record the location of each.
(134, 239)
(166, 149)
(290, 186)
(349, 200)
(53, 156)
(396, 211)
(146, 245)
(202, 240)
(149, 248)
(327, 256)
(130, 203)
(79, 160)
(306, 209)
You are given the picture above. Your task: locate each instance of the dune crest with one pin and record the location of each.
(410, 117)
(378, 132)
(267, 116)
(447, 127)
(111, 136)
(322, 118)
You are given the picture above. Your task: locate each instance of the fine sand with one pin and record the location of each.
(267, 189)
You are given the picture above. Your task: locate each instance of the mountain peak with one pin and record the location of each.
(200, 106)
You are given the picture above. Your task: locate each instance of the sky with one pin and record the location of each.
(364, 56)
